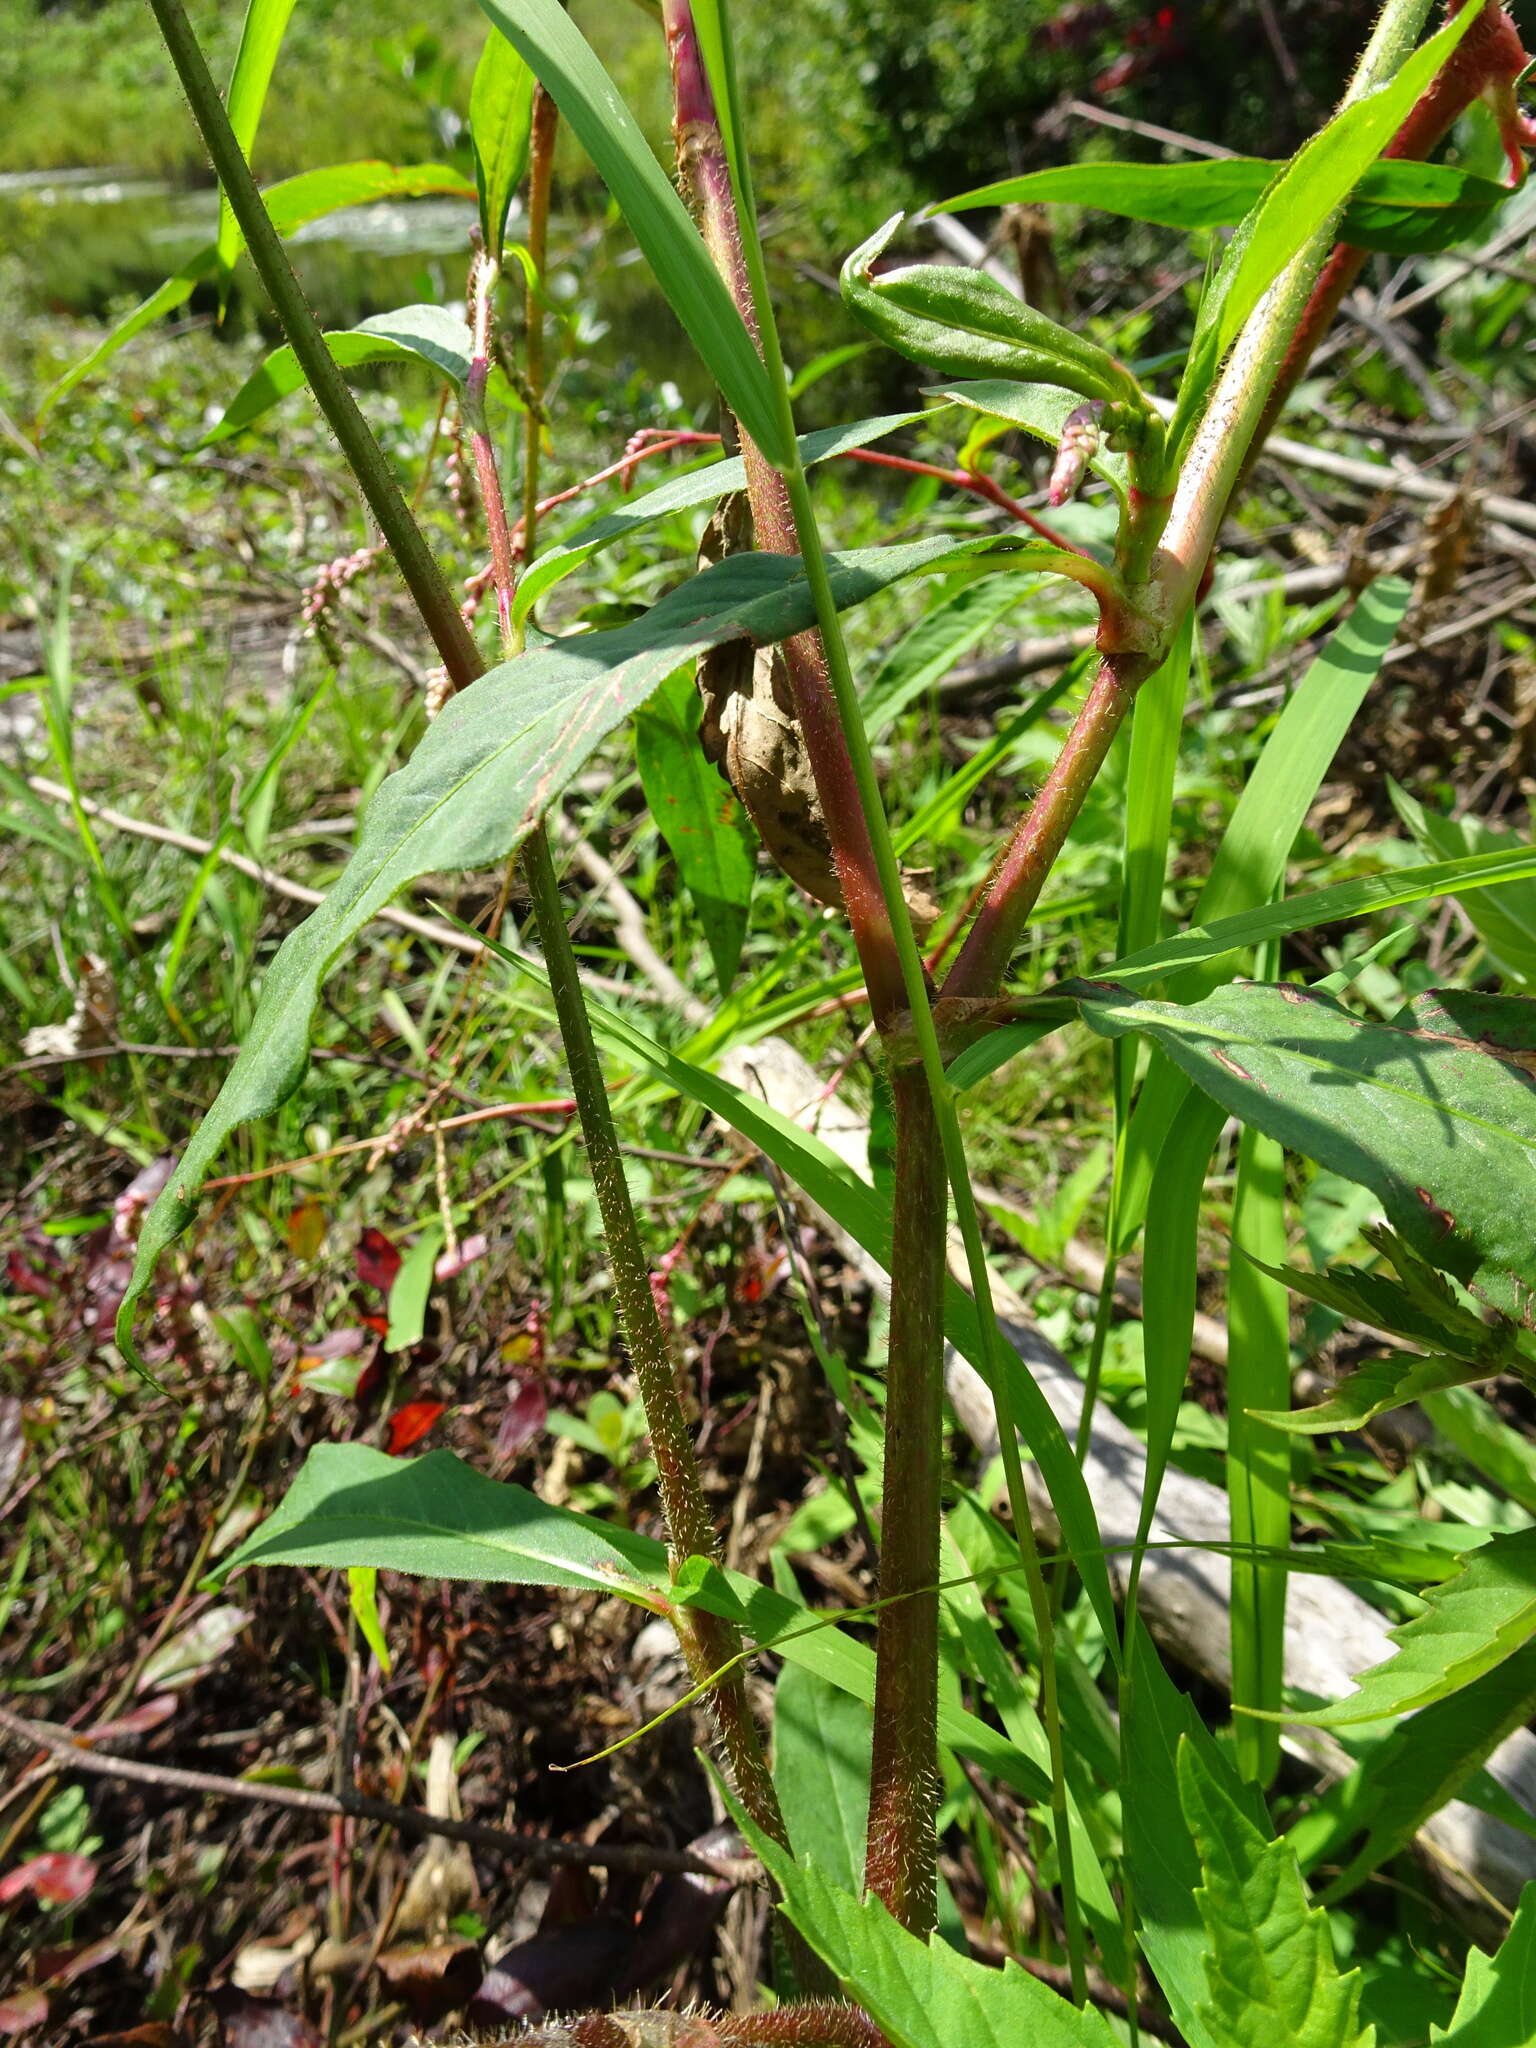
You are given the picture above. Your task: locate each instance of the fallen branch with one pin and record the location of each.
(537, 1849)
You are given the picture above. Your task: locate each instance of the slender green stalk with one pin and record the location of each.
(707, 1642)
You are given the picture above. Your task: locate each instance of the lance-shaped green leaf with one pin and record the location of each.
(500, 119)
(493, 760)
(1497, 2007)
(821, 1752)
(1374, 1390)
(434, 335)
(1309, 908)
(1399, 207)
(1297, 205)
(1469, 1624)
(1436, 1113)
(920, 1994)
(292, 203)
(355, 1508)
(1268, 1956)
(549, 42)
(310, 195)
(965, 324)
(692, 487)
(261, 38)
(1504, 918)
(698, 815)
(1425, 1761)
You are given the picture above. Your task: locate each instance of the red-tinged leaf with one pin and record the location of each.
(378, 1324)
(22, 2011)
(247, 2022)
(306, 1230)
(137, 1721)
(372, 1378)
(377, 1261)
(334, 1344)
(24, 1278)
(467, 1251)
(64, 1965)
(523, 1420)
(408, 1425)
(56, 1879)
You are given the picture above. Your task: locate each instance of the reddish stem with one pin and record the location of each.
(1485, 65)
(1014, 886)
(982, 486)
(903, 1772)
(706, 177)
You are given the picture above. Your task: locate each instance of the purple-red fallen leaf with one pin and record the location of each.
(465, 1253)
(247, 2022)
(377, 1261)
(137, 1721)
(408, 1425)
(56, 1878)
(64, 1965)
(522, 1420)
(334, 1344)
(24, 1278)
(570, 1968)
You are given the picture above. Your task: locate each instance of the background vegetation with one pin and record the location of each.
(165, 703)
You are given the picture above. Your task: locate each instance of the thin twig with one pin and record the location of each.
(410, 1820)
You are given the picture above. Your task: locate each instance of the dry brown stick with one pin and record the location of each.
(410, 1820)
(187, 842)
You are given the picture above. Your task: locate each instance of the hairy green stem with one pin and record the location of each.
(707, 1642)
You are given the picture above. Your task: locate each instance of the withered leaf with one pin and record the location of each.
(750, 733)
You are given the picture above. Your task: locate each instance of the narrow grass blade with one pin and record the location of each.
(266, 23)
(500, 120)
(1258, 1456)
(1249, 864)
(548, 41)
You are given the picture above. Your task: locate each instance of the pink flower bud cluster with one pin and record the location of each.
(475, 588)
(461, 494)
(331, 580)
(661, 1279)
(439, 690)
